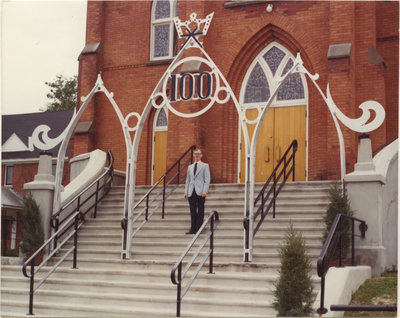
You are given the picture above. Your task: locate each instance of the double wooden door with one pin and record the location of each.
(280, 127)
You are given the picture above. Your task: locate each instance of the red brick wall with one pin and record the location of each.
(25, 172)
(234, 39)
(387, 45)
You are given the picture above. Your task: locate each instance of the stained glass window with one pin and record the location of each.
(162, 119)
(293, 87)
(278, 60)
(257, 89)
(161, 40)
(273, 58)
(162, 9)
(163, 29)
(288, 66)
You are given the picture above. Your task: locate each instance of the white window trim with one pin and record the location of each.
(275, 103)
(6, 175)
(156, 129)
(163, 21)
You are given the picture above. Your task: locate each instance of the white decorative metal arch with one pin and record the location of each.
(192, 35)
(41, 140)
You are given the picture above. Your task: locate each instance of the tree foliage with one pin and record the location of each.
(63, 92)
(338, 204)
(294, 290)
(32, 230)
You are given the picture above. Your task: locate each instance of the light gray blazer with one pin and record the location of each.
(199, 182)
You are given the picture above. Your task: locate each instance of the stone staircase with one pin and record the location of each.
(106, 286)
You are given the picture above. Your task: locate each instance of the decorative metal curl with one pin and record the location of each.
(360, 124)
(45, 142)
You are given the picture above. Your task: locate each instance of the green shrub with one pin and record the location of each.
(338, 204)
(294, 291)
(32, 230)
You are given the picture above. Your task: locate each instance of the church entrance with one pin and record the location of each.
(160, 131)
(284, 121)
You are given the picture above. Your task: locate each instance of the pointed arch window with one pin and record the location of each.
(161, 120)
(163, 39)
(272, 63)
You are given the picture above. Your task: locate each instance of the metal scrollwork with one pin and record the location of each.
(360, 124)
(41, 140)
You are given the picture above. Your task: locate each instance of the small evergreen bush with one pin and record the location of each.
(338, 204)
(32, 230)
(294, 291)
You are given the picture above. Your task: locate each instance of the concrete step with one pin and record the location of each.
(236, 197)
(15, 308)
(262, 236)
(131, 274)
(150, 228)
(223, 203)
(101, 246)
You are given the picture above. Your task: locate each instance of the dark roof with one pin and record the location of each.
(23, 126)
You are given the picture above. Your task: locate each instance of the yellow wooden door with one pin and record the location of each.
(290, 124)
(160, 154)
(264, 163)
(280, 127)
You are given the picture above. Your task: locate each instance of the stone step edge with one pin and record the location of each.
(149, 285)
(117, 311)
(138, 297)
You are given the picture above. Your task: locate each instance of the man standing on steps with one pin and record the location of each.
(196, 188)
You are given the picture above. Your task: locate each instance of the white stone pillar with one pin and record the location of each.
(42, 190)
(364, 188)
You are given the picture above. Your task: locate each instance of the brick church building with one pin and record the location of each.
(353, 46)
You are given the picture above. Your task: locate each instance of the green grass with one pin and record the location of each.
(376, 291)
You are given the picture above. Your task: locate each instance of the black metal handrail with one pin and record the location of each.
(334, 238)
(286, 165)
(74, 219)
(55, 220)
(383, 146)
(213, 219)
(178, 175)
(390, 308)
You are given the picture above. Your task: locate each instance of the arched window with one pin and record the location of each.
(163, 41)
(274, 61)
(161, 120)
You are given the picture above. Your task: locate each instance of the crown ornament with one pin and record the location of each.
(192, 29)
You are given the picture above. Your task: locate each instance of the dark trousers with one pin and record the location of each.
(196, 203)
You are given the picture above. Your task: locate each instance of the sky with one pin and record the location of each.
(39, 39)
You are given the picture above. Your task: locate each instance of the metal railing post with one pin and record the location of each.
(284, 167)
(75, 239)
(294, 162)
(147, 208)
(163, 199)
(273, 211)
(322, 310)
(97, 197)
(179, 171)
(211, 245)
(340, 242)
(31, 286)
(352, 242)
(178, 291)
(55, 230)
